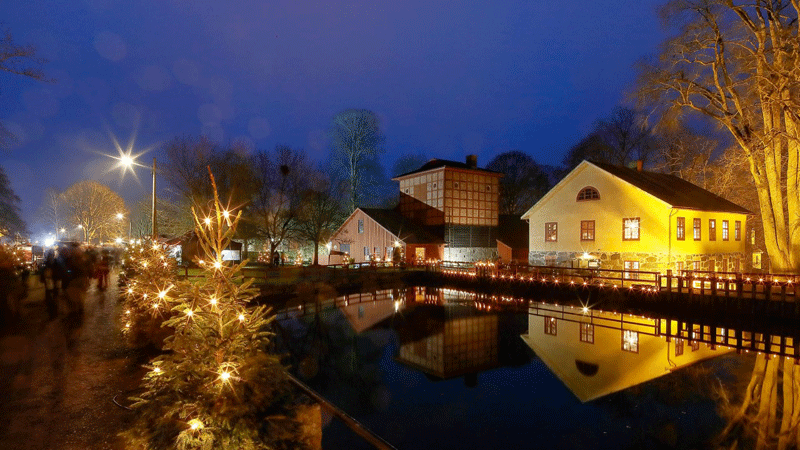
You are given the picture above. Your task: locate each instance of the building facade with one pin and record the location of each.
(626, 219)
(447, 210)
(461, 199)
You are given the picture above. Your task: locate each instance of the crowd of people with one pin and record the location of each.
(67, 272)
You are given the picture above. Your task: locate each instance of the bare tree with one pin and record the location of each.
(281, 178)
(523, 182)
(356, 142)
(620, 138)
(736, 62)
(52, 211)
(17, 60)
(93, 208)
(321, 213)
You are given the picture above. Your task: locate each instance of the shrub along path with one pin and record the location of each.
(58, 377)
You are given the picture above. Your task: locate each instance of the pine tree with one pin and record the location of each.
(215, 386)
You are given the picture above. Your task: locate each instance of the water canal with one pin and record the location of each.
(448, 369)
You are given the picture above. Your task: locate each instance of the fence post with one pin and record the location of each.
(669, 280)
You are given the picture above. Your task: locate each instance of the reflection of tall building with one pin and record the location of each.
(448, 341)
(598, 353)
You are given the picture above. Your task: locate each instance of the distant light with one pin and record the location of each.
(49, 242)
(120, 216)
(118, 240)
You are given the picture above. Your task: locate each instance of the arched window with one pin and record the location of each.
(588, 193)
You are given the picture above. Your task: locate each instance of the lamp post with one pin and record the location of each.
(127, 162)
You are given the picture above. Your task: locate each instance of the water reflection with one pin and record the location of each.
(596, 353)
(421, 366)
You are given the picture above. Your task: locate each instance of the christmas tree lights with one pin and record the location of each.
(215, 386)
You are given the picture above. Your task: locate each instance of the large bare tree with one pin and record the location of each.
(93, 208)
(356, 142)
(736, 62)
(281, 178)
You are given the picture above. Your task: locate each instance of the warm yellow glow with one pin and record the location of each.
(585, 309)
(241, 317)
(157, 370)
(144, 264)
(189, 312)
(155, 305)
(225, 375)
(162, 294)
(217, 264)
(130, 290)
(213, 301)
(225, 214)
(155, 246)
(195, 424)
(128, 311)
(128, 325)
(120, 216)
(207, 221)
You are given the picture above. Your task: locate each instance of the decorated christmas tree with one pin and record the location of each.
(215, 386)
(149, 275)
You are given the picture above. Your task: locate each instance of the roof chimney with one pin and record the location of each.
(639, 165)
(472, 161)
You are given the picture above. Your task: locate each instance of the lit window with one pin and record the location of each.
(630, 229)
(587, 230)
(724, 230)
(737, 230)
(550, 325)
(630, 341)
(551, 231)
(588, 193)
(681, 228)
(712, 230)
(360, 226)
(587, 333)
(696, 224)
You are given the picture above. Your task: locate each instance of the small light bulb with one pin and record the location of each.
(226, 214)
(128, 311)
(213, 301)
(155, 305)
(157, 370)
(190, 313)
(130, 290)
(217, 265)
(162, 294)
(207, 220)
(195, 424)
(241, 317)
(225, 376)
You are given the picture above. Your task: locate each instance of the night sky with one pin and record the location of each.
(447, 78)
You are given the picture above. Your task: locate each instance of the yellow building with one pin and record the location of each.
(614, 217)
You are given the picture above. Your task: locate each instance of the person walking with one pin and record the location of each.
(48, 276)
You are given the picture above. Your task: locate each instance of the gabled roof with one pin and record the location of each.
(405, 229)
(673, 190)
(512, 231)
(437, 163)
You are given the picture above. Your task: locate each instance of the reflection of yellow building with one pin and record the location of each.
(598, 353)
(633, 219)
(449, 341)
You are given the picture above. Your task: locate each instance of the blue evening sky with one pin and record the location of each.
(448, 78)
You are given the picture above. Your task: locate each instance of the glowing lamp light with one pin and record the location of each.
(207, 221)
(189, 312)
(128, 311)
(213, 301)
(118, 240)
(225, 214)
(241, 317)
(157, 370)
(195, 425)
(225, 375)
(585, 309)
(130, 290)
(155, 305)
(217, 264)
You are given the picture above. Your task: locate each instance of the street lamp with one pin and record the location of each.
(127, 162)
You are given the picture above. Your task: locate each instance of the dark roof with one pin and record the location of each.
(437, 163)
(673, 190)
(404, 228)
(512, 231)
